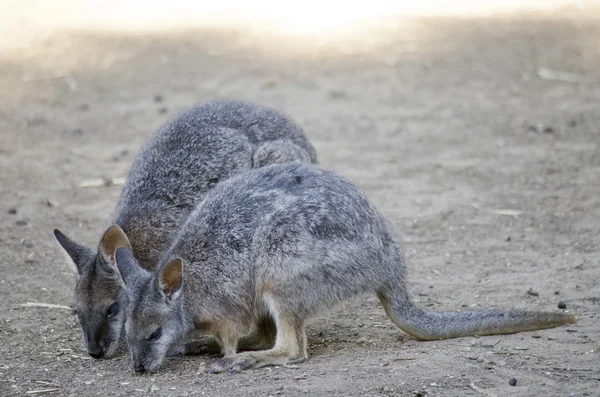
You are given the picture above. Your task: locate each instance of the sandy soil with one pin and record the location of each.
(489, 170)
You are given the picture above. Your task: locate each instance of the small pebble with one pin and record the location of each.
(338, 94)
(12, 210)
(548, 130)
(21, 222)
(508, 239)
(163, 110)
(158, 98)
(531, 292)
(28, 243)
(562, 305)
(386, 389)
(512, 381)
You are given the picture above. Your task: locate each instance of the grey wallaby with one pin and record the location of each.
(283, 241)
(186, 157)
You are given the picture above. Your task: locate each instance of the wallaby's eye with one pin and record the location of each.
(155, 335)
(112, 310)
(74, 312)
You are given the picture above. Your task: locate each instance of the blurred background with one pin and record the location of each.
(472, 125)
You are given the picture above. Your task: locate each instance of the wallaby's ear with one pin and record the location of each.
(113, 238)
(170, 278)
(127, 264)
(80, 254)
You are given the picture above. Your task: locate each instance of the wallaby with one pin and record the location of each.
(283, 241)
(185, 158)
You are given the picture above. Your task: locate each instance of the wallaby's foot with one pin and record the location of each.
(248, 360)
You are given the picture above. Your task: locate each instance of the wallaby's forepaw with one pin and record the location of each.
(197, 348)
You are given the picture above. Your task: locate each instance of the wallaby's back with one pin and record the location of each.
(191, 154)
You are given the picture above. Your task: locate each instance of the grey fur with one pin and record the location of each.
(285, 241)
(173, 171)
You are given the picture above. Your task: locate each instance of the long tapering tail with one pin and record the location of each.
(426, 325)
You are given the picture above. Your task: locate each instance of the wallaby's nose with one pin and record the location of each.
(96, 352)
(139, 368)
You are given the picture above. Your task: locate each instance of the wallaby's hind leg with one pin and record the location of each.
(263, 338)
(290, 346)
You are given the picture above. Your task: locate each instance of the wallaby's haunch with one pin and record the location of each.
(184, 159)
(282, 241)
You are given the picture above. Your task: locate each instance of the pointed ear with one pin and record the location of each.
(127, 264)
(170, 278)
(80, 254)
(113, 238)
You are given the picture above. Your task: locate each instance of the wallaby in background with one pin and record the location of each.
(283, 241)
(185, 158)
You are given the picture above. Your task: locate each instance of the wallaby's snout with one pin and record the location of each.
(139, 368)
(95, 346)
(96, 352)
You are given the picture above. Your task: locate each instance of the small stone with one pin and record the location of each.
(508, 239)
(270, 82)
(163, 110)
(12, 210)
(531, 292)
(562, 305)
(386, 389)
(158, 98)
(557, 292)
(480, 359)
(548, 130)
(21, 222)
(338, 94)
(28, 243)
(512, 381)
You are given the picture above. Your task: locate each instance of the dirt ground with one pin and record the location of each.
(486, 161)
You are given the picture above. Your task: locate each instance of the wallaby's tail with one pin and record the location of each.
(426, 325)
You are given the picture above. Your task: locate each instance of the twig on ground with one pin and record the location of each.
(480, 390)
(46, 305)
(40, 391)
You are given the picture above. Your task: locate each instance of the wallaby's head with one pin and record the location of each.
(155, 318)
(99, 297)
